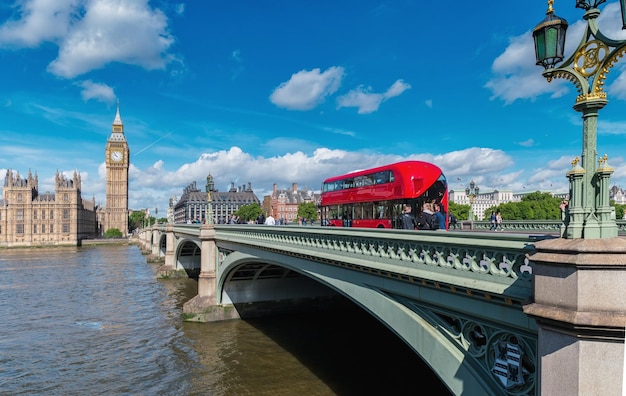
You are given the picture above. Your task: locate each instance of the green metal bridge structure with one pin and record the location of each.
(490, 313)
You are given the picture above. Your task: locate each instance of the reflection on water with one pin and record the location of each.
(95, 321)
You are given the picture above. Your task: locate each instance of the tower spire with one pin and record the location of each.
(118, 119)
(118, 127)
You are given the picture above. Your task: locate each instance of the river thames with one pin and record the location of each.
(96, 321)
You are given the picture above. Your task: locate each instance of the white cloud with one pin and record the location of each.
(472, 162)
(368, 102)
(611, 127)
(307, 89)
(126, 31)
(527, 143)
(517, 77)
(97, 91)
(37, 21)
(92, 33)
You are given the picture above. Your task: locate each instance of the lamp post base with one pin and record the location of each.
(590, 228)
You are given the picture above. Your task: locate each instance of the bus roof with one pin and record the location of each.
(403, 167)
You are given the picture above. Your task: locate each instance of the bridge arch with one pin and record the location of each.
(188, 257)
(250, 277)
(162, 245)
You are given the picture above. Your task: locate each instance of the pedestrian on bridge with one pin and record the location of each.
(492, 220)
(441, 217)
(407, 221)
(499, 221)
(452, 221)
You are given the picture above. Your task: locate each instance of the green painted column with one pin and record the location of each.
(605, 212)
(589, 109)
(574, 218)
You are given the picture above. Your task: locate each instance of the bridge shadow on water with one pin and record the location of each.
(352, 352)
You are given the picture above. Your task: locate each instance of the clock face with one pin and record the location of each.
(116, 156)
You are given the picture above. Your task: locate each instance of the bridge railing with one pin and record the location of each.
(529, 226)
(460, 259)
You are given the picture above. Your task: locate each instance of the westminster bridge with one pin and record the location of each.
(492, 313)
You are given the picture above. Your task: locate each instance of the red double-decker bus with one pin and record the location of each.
(374, 198)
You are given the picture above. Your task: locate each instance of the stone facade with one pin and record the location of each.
(193, 205)
(283, 204)
(29, 218)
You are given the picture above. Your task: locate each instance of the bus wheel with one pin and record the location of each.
(380, 226)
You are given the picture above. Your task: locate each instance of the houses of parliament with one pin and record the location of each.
(31, 218)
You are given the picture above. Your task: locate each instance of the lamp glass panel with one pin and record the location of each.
(540, 46)
(551, 40)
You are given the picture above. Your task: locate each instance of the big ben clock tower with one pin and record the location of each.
(117, 162)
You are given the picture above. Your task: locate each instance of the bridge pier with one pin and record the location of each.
(204, 307)
(168, 270)
(155, 242)
(144, 238)
(580, 308)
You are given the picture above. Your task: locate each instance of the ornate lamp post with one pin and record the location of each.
(589, 214)
(471, 192)
(209, 199)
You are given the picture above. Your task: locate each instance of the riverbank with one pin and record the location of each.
(109, 241)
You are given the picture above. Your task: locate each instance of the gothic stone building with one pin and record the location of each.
(29, 218)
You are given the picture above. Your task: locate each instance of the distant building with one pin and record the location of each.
(484, 201)
(283, 204)
(194, 204)
(170, 209)
(29, 218)
(618, 195)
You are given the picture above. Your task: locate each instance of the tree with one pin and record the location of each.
(308, 211)
(461, 212)
(136, 220)
(113, 233)
(249, 212)
(619, 210)
(533, 206)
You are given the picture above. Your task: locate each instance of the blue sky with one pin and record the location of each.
(292, 92)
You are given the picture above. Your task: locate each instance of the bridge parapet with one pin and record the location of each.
(498, 261)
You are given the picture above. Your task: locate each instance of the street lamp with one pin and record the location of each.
(471, 192)
(209, 199)
(589, 214)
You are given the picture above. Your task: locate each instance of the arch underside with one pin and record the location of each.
(188, 257)
(162, 245)
(439, 335)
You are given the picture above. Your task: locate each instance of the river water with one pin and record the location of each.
(96, 321)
